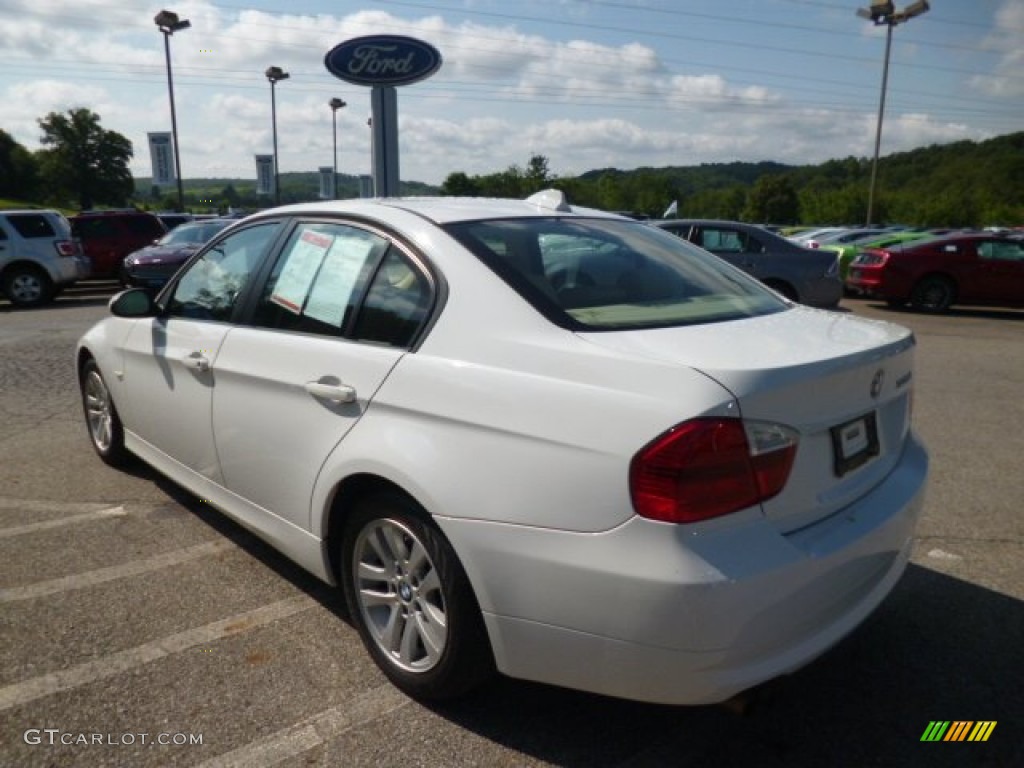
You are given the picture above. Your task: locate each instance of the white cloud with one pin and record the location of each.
(507, 89)
(1006, 80)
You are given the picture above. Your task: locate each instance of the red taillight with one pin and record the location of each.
(67, 247)
(872, 258)
(705, 468)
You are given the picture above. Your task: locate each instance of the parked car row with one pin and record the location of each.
(42, 251)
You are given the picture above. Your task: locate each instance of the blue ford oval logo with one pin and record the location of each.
(383, 60)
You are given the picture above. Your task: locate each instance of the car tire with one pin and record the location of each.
(106, 433)
(27, 286)
(411, 600)
(934, 293)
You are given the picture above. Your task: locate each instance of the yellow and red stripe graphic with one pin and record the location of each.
(958, 730)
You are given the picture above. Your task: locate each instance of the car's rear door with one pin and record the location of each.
(340, 307)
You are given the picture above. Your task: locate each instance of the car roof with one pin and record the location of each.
(114, 212)
(19, 211)
(446, 210)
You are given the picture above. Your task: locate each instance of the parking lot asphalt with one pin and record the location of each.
(139, 627)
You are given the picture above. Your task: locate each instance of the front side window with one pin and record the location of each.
(210, 286)
(606, 274)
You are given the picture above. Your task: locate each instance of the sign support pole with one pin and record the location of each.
(384, 123)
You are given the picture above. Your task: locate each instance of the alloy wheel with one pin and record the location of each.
(400, 597)
(99, 411)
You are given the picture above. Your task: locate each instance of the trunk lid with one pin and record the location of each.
(843, 382)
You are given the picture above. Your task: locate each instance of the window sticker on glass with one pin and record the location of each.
(337, 279)
(297, 276)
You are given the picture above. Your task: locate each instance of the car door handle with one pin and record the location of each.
(197, 361)
(336, 393)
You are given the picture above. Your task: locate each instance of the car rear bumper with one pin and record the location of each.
(69, 269)
(683, 614)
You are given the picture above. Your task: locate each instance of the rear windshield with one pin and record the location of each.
(31, 225)
(601, 274)
(192, 233)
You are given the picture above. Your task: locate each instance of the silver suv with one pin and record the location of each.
(38, 256)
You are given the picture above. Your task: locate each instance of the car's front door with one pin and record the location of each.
(169, 361)
(338, 310)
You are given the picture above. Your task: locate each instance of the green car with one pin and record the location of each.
(848, 251)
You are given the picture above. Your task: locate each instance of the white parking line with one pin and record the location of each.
(122, 661)
(313, 731)
(102, 575)
(45, 525)
(41, 505)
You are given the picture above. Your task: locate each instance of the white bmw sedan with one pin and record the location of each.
(528, 438)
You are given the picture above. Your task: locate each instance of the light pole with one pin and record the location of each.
(169, 23)
(274, 75)
(335, 104)
(884, 12)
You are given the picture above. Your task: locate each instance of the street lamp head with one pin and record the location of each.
(916, 9)
(335, 104)
(884, 12)
(169, 22)
(275, 74)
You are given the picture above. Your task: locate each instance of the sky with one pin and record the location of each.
(587, 84)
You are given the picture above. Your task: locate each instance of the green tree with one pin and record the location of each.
(18, 170)
(773, 199)
(230, 195)
(538, 175)
(82, 161)
(458, 184)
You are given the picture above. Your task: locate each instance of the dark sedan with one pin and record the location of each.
(800, 274)
(152, 266)
(980, 269)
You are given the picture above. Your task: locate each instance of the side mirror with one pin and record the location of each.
(134, 302)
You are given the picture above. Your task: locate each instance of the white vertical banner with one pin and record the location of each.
(161, 151)
(326, 182)
(264, 174)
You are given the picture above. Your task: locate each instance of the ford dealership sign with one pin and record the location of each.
(383, 60)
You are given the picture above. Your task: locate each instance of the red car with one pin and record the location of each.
(108, 236)
(932, 275)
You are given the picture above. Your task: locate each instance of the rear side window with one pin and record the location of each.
(396, 304)
(595, 274)
(92, 228)
(144, 226)
(31, 225)
(338, 280)
(317, 282)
